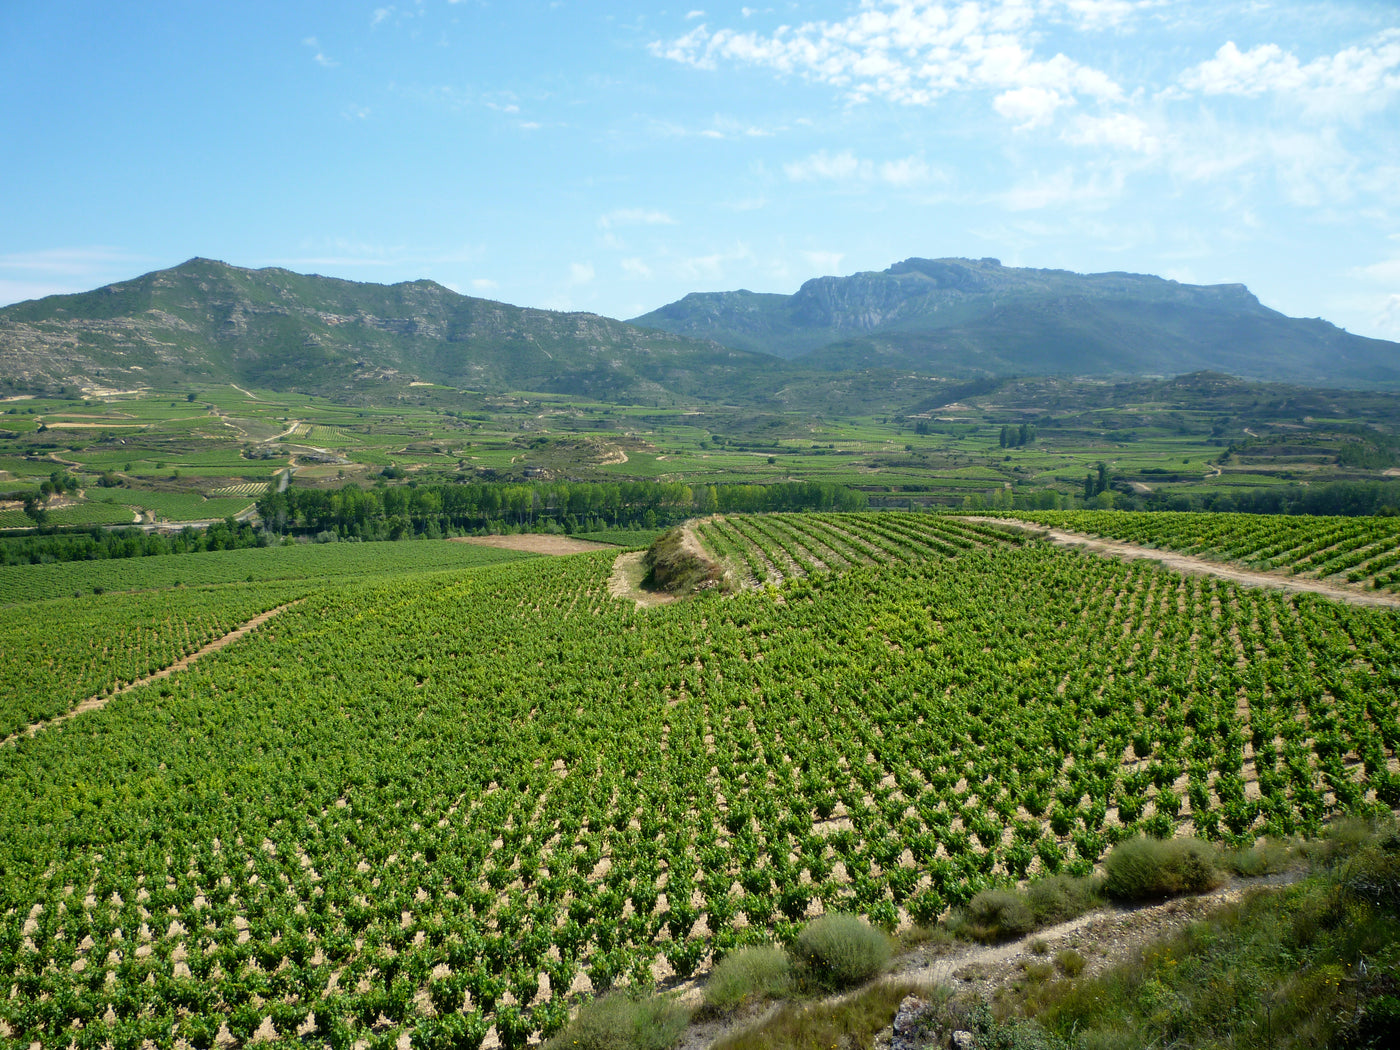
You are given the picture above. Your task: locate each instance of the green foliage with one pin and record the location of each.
(1145, 868)
(749, 974)
(996, 915)
(852, 1021)
(1059, 898)
(840, 951)
(1312, 964)
(672, 565)
(620, 1021)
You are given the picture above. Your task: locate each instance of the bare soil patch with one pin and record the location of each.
(536, 543)
(625, 583)
(1201, 567)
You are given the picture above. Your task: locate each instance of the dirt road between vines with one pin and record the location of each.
(93, 703)
(1200, 566)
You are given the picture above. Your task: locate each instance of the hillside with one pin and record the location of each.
(207, 322)
(963, 317)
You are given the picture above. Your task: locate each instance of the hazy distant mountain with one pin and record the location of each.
(207, 322)
(959, 317)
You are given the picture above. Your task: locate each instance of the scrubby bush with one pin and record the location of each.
(759, 972)
(1059, 898)
(1141, 869)
(675, 566)
(996, 915)
(622, 1022)
(840, 951)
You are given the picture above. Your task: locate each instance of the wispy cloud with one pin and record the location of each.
(320, 57)
(845, 166)
(635, 267)
(581, 273)
(634, 217)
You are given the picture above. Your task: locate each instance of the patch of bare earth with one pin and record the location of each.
(1185, 563)
(535, 543)
(93, 703)
(625, 583)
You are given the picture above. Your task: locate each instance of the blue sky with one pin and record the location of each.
(612, 157)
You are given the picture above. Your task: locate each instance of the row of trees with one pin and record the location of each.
(433, 509)
(99, 544)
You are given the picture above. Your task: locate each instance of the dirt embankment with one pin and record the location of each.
(1200, 566)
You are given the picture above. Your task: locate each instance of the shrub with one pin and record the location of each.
(1069, 962)
(1059, 898)
(622, 1022)
(996, 915)
(1141, 869)
(673, 565)
(760, 972)
(841, 951)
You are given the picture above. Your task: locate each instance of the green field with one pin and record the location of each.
(1361, 551)
(493, 789)
(1190, 443)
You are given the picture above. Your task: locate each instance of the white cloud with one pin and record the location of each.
(355, 112)
(634, 217)
(1030, 106)
(320, 57)
(914, 52)
(847, 167)
(636, 268)
(1355, 79)
(581, 273)
(484, 284)
(690, 16)
(381, 14)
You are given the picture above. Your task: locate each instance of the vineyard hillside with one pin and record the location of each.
(446, 807)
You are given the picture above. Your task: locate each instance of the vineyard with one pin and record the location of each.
(1360, 551)
(321, 564)
(770, 548)
(59, 653)
(449, 804)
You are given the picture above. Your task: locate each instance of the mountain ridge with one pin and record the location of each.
(209, 321)
(969, 317)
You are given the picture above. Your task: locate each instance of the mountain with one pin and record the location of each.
(208, 322)
(965, 317)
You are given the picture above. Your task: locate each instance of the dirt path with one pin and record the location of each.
(1185, 563)
(93, 703)
(1102, 938)
(535, 543)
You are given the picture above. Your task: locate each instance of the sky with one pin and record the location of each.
(613, 157)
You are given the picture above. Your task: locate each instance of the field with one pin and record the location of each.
(494, 789)
(1190, 442)
(1361, 551)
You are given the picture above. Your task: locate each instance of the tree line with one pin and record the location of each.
(397, 512)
